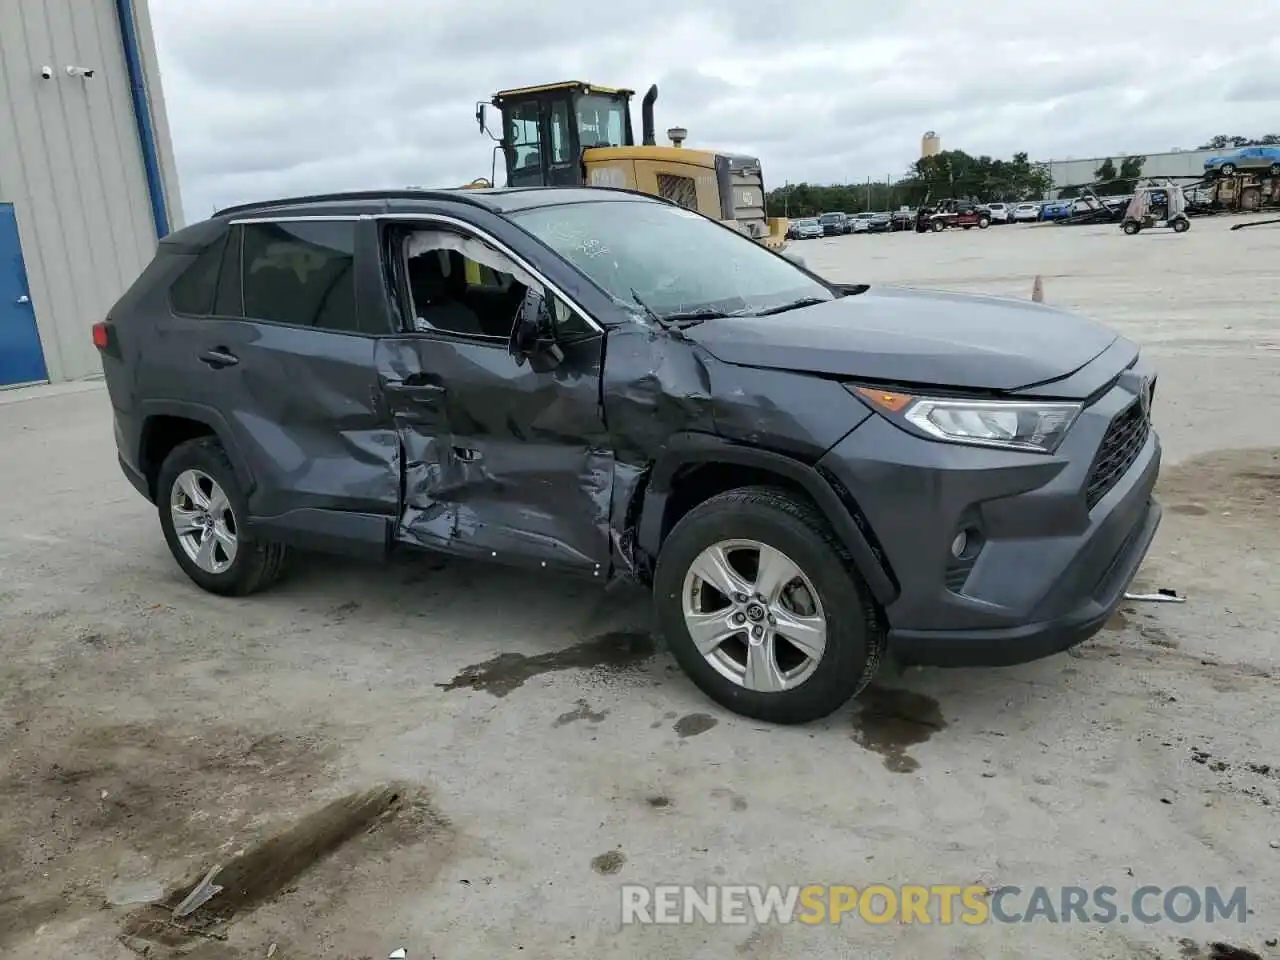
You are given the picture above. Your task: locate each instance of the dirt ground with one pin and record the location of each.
(501, 751)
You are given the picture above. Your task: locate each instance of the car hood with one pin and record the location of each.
(898, 335)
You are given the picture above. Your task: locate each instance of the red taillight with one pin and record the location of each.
(102, 334)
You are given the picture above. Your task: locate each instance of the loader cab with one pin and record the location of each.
(546, 128)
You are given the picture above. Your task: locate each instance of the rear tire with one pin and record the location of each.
(1130, 228)
(983, 223)
(1228, 169)
(203, 514)
(1181, 226)
(804, 681)
(939, 226)
(1274, 170)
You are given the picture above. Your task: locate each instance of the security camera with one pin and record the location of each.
(46, 73)
(83, 72)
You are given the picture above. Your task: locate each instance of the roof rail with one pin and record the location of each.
(456, 194)
(348, 196)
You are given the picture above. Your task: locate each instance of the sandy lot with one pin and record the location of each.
(539, 752)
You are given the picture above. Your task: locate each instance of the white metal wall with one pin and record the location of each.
(71, 163)
(1184, 163)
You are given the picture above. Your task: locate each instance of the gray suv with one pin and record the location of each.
(601, 383)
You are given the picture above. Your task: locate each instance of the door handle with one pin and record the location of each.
(411, 387)
(219, 357)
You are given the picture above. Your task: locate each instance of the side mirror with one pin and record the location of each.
(480, 117)
(533, 335)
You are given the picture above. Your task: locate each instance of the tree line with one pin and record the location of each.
(956, 174)
(948, 174)
(1223, 142)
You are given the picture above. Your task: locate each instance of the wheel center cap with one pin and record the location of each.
(755, 612)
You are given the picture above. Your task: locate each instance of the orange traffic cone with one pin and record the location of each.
(1037, 290)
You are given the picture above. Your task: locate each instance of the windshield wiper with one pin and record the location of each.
(793, 305)
(691, 318)
(679, 320)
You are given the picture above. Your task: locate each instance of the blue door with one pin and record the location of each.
(21, 359)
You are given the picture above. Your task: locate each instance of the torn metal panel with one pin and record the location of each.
(501, 461)
(655, 383)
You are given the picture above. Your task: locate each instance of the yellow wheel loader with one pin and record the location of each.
(576, 134)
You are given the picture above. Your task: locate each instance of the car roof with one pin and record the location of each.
(499, 200)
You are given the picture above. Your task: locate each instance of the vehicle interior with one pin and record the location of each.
(459, 285)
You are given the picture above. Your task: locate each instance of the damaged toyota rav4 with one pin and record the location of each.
(809, 475)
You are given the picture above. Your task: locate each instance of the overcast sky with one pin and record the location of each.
(276, 97)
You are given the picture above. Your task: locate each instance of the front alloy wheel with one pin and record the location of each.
(762, 607)
(203, 521)
(754, 615)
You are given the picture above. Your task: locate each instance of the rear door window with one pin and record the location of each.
(301, 273)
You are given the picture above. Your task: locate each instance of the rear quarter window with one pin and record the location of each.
(192, 293)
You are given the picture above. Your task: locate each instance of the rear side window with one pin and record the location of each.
(192, 293)
(301, 273)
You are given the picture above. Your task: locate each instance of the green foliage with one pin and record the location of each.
(1224, 142)
(1131, 169)
(952, 173)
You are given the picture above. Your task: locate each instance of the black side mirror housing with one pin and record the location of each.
(533, 334)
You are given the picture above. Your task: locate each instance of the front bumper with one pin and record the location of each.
(1047, 572)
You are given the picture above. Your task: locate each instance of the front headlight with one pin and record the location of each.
(1035, 425)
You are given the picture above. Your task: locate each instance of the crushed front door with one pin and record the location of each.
(500, 462)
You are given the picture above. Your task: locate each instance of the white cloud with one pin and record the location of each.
(276, 97)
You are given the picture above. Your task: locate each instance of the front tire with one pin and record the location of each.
(939, 226)
(1131, 227)
(1181, 226)
(1228, 169)
(983, 223)
(203, 515)
(763, 609)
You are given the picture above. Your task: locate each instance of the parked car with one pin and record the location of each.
(807, 229)
(834, 224)
(879, 222)
(1026, 212)
(860, 223)
(381, 371)
(1264, 160)
(999, 212)
(1055, 209)
(904, 219)
(959, 213)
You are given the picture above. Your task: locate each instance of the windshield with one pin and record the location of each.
(601, 121)
(831, 217)
(674, 261)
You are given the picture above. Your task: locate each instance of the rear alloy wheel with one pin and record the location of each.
(1228, 169)
(202, 513)
(1131, 227)
(938, 226)
(1181, 226)
(983, 223)
(762, 609)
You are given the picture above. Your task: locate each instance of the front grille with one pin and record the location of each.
(679, 190)
(1124, 440)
